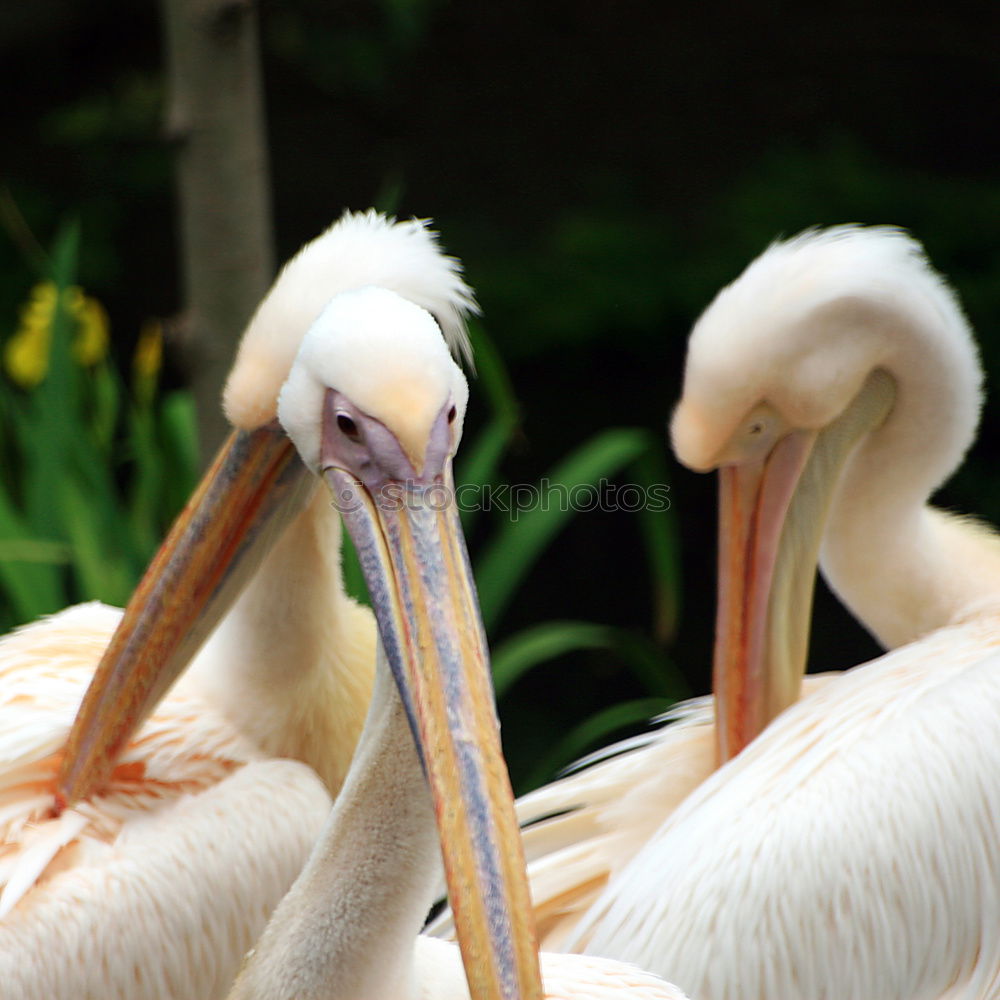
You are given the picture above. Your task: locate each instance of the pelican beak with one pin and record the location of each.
(772, 514)
(253, 489)
(756, 672)
(412, 551)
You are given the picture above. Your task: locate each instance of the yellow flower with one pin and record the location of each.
(148, 358)
(40, 305)
(26, 355)
(91, 344)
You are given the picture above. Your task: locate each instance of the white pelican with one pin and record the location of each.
(851, 850)
(382, 436)
(347, 927)
(287, 673)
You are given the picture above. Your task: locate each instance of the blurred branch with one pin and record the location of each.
(216, 121)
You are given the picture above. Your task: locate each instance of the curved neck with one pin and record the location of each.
(291, 663)
(902, 567)
(347, 927)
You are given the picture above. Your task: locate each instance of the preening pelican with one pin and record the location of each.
(851, 849)
(288, 673)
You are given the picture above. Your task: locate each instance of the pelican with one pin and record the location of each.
(851, 849)
(287, 674)
(374, 406)
(349, 926)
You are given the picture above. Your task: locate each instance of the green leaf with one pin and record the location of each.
(509, 557)
(658, 524)
(106, 397)
(525, 650)
(480, 460)
(480, 466)
(146, 493)
(597, 731)
(32, 587)
(350, 568)
(54, 415)
(519, 653)
(492, 377)
(178, 426)
(34, 550)
(96, 556)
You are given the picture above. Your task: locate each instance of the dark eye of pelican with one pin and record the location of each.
(348, 427)
(451, 415)
(755, 428)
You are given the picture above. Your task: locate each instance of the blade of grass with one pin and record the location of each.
(54, 413)
(350, 568)
(481, 461)
(106, 394)
(34, 550)
(33, 588)
(145, 494)
(526, 650)
(521, 652)
(178, 435)
(102, 569)
(492, 377)
(658, 524)
(520, 541)
(592, 733)
(480, 466)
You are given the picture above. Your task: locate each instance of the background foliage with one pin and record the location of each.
(601, 169)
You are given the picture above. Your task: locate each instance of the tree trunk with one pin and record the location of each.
(216, 121)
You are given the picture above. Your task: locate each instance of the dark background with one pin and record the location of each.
(601, 169)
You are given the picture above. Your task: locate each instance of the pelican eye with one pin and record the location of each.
(348, 427)
(451, 414)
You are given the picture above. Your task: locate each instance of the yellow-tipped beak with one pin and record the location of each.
(411, 548)
(256, 484)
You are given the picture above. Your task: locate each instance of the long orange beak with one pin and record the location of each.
(255, 486)
(751, 684)
(410, 545)
(772, 514)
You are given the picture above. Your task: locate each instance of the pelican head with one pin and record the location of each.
(788, 369)
(361, 249)
(354, 354)
(359, 391)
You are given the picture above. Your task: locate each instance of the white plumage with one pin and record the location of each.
(157, 894)
(846, 852)
(851, 850)
(157, 886)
